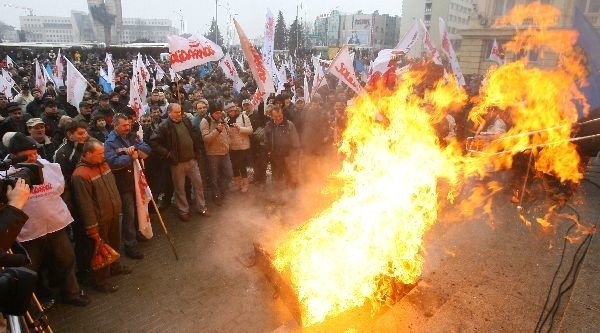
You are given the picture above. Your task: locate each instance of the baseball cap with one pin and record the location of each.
(34, 121)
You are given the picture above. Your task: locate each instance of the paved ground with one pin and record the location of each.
(481, 275)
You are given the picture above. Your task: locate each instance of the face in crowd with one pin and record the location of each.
(155, 115)
(201, 108)
(79, 135)
(95, 156)
(277, 116)
(123, 126)
(37, 132)
(175, 113)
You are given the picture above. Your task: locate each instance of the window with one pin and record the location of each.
(501, 7)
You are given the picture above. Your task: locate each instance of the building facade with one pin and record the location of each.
(456, 14)
(478, 38)
(50, 29)
(376, 31)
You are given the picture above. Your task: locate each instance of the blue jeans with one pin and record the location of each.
(219, 167)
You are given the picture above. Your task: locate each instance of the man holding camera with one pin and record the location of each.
(46, 231)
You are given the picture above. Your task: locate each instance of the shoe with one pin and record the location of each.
(120, 270)
(107, 288)
(204, 213)
(80, 300)
(141, 238)
(134, 253)
(185, 217)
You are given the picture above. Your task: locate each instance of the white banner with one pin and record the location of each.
(160, 73)
(76, 85)
(342, 68)
(40, 78)
(495, 54)
(142, 69)
(257, 67)
(143, 196)
(429, 46)
(194, 51)
(136, 97)
(110, 70)
(306, 90)
(9, 62)
(269, 40)
(6, 76)
(319, 76)
(449, 51)
(231, 73)
(5, 88)
(59, 70)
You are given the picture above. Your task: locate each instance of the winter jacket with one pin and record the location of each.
(215, 143)
(164, 141)
(239, 138)
(121, 163)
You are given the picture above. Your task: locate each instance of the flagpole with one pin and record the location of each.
(162, 223)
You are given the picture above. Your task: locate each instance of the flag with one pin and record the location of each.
(110, 70)
(48, 73)
(5, 88)
(495, 53)
(231, 73)
(136, 97)
(263, 80)
(589, 41)
(269, 40)
(306, 90)
(193, 51)
(9, 62)
(143, 196)
(319, 76)
(159, 71)
(6, 76)
(103, 80)
(429, 46)
(59, 70)
(76, 85)
(143, 76)
(142, 69)
(342, 68)
(40, 82)
(205, 70)
(449, 51)
(241, 63)
(172, 74)
(281, 78)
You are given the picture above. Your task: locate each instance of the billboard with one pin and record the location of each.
(358, 37)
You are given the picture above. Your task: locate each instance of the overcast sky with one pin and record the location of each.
(199, 13)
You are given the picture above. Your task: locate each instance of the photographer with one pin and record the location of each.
(45, 232)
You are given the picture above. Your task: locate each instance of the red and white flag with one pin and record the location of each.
(5, 88)
(9, 62)
(231, 73)
(142, 69)
(257, 67)
(6, 76)
(40, 78)
(76, 85)
(429, 46)
(269, 45)
(193, 51)
(110, 70)
(160, 73)
(59, 70)
(137, 86)
(495, 54)
(343, 68)
(143, 196)
(449, 51)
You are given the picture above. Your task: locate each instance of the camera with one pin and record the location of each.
(30, 172)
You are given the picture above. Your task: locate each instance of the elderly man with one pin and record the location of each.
(122, 148)
(37, 131)
(97, 197)
(177, 141)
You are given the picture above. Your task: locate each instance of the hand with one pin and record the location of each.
(93, 233)
(135, 155)
(18, 196)
(129, 150)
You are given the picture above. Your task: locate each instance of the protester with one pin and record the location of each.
(240, 129)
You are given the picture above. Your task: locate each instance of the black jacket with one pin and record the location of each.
(164, 140)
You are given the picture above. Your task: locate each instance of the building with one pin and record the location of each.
(455, 13)
(376, 31)
(478, 37)
(81, 27)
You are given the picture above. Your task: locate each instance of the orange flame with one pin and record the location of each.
(388, 185)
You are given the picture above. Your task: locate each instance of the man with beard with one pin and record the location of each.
(178, 142)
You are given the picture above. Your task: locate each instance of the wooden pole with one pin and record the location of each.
(162, 223)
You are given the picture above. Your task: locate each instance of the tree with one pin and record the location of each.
(211, 33)
(281, 33)
(296, 37)
(101, 15)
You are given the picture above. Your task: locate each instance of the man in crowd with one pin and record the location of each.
(121, 149)
(51, 117)
(35, 108)
(178, 142)
(282, 145)
(24, 97)
(240, 129)
(85, 113)
(99, 204)
(16, 120)
(105, 109)
(37, 131)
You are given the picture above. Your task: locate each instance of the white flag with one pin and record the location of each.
(76, 85)
(59, 70)
(449, 51)
(193, 51)
(142, 69)
(342, 68)
(5, 89)
(9, 62)
(6, 76)
(318, 78)
(429, 46)
(110, 70)
(306, 90)
(281, 78)
(269, 41)
(159, 71)
(137, 86)
(231, 73)
(257, 67)
(495, 53)
(40, 79)
(143, 196)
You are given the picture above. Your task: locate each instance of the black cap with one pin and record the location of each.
(49, 102)
(20, 142)
(12, 107)
(104, 97)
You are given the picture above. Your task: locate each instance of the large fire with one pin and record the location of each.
(372, 234)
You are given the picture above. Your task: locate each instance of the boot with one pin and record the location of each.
(245, 185)
(237, 181)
